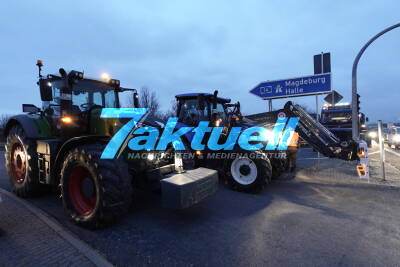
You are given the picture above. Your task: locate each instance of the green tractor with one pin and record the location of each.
(61, 145)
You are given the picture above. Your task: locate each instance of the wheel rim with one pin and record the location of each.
(244, 171)
(18, 162)
(82, 190)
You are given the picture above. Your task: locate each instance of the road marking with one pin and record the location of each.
(392, 151)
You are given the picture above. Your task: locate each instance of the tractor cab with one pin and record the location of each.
(72, 104)
(196, 107)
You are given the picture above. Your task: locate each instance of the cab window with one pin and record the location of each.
(190, 112)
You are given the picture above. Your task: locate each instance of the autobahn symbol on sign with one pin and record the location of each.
(300, 86)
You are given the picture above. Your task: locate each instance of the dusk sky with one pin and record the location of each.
(186, 46)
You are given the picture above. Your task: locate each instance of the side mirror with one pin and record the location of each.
(30, 108)
(135, 100)
(201, 102)
(46, 93)
(367, 119)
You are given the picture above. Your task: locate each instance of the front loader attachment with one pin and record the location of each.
(313, 132)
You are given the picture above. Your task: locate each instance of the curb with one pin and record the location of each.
(91, 254)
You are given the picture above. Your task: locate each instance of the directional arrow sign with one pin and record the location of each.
(307, 85)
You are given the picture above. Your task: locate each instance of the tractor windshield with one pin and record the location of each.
(86, 94)
(190, 112)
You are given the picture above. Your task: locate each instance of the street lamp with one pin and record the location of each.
(355, 122)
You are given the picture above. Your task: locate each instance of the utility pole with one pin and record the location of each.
(355, 119)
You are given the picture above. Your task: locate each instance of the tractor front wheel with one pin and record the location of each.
(248, 174)
(95, 191)
(21, 163)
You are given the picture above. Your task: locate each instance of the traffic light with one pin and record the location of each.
(358, 103)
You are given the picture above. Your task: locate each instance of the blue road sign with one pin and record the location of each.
(300, 86)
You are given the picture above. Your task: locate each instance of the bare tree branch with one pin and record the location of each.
(148, 99)
(171, 112)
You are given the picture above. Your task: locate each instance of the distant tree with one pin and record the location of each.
(171, 112)
(3, 120)
(148, 99)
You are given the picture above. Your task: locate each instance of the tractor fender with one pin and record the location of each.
(71, 144)
(27, 123)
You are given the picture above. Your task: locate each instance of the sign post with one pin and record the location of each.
(316, 117)
(381, 149)
(322, 64)
(319, 83)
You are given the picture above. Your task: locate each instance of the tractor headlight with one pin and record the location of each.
(396, 138)
(150, 156)
(66, 119)
(372, 134)
(105, 77)
(267, 134)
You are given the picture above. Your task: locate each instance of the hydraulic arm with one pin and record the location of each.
(313, 132)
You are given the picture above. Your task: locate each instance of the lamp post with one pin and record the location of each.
(355, 119)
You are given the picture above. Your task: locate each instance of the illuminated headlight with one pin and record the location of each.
(363, 125)
(66, 119)
(396, 138)
(267, 134)
(150, 156)
(105, 76)
(372, 134)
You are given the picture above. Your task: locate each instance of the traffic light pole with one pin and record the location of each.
(355, 119)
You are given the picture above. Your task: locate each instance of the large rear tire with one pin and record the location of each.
(95, 192)
(249, 174)
(21, 163)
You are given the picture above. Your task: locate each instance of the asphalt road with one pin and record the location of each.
(301, 221)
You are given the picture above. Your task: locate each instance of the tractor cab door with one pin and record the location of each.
(52, 108)
(86, 107)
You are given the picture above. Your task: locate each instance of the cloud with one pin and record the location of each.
(182, 46)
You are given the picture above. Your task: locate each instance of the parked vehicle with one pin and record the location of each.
(394, 137)
(338, 119)
(241, 173)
